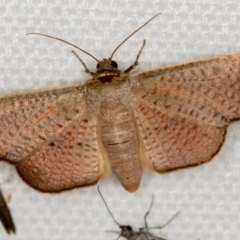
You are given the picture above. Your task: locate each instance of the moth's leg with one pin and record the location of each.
(84, 65)
(136, 61)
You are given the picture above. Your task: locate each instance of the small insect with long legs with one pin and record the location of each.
(143, 233)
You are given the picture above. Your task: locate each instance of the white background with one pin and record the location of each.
(208, 196)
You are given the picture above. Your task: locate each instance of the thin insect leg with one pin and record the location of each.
(136, 61)
(147, 213)
(118, 236)
(84, 65)
(105, 203)
(167, 223)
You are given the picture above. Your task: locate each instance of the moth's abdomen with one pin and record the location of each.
(120, 140)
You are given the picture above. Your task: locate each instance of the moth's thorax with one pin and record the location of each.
(118, 90)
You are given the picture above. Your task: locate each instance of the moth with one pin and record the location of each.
(5, 216)
(158, 120)
(143, 233)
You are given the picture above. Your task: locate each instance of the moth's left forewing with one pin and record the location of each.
(183, 110)
(29, 119)
(52, 137)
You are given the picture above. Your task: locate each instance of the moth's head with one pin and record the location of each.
(107, 65)
(106, 71)
(126, 231)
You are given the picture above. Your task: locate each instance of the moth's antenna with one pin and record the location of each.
(59, 39)
(133, 34)
(98, 187)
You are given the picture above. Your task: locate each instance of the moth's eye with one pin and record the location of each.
(98, 66)
(114, 64)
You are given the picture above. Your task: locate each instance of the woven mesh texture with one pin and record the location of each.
(208, 196)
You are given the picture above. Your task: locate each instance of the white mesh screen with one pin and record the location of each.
(207, 196)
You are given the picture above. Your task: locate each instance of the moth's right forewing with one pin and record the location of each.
(205, 91)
